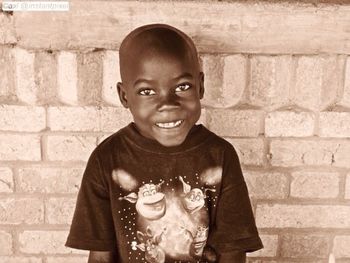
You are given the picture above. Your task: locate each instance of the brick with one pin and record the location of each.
(270, 247)
(341, 246)
(60, 210)
(332, 80)
(316, 152)
(7, 30)
(49, 179)
(345, 98)
(289, 124)
(270, 79)
(73, 118)
(46, 242)
(7, 74)
(76, 259)
(21, 211)
(90, 77)
(247, 123)
(234, 79)
(262, 29)
(20, 147)
(347, 187)
(213, 79)
(250, 151)
(70, 148)
(114, 118)
(111, 75)
(26, 89)
(5, 243)
(106, 119)
(308, 82)
(341, 155)
(317, 81)
(314, 185)
(67, 79)
(225, 80)
(266, 185)
(32, 119)
(18, 259)
(6, 180)
(335, 124)
(45, 66)
(302, 216)
(305, 246)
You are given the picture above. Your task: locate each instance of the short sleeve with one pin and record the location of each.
(234, 227)
(92, 226)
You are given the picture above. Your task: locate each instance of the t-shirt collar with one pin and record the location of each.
(196, 136)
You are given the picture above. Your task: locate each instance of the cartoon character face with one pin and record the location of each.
(193, 200)
(199, 240)
(150, 202)
(149, 244)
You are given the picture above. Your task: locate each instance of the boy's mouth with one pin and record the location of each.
(169, 125)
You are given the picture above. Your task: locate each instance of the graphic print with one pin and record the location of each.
(193, 199)
(150, 242)
(169, 220)
(150, 202)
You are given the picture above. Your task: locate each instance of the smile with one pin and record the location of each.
(169, 125)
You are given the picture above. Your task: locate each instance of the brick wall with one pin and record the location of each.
(277, 87)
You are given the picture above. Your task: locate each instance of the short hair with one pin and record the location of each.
(157, 38)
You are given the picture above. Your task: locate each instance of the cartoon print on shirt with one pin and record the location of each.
(150, 201)
(172, 205)
(199, 240)
(193, 200)
(150, 245)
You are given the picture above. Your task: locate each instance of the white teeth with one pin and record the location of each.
(169, 125)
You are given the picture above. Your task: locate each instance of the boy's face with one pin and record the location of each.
(163, 93)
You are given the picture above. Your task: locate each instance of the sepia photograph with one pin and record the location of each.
(175, 131)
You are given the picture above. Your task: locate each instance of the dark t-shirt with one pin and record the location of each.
(158, 204)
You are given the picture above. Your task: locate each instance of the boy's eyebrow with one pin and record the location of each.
(184, 75)
(142, 80)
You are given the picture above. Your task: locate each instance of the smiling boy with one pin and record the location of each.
(163, 189)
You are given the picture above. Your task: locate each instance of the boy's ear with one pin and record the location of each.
(122, 94)
(201, 85)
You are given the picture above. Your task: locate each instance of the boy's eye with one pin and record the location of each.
(183, 87)
(147, 92)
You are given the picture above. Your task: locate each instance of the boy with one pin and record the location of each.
(163, 189)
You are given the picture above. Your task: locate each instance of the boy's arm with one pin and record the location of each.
(102, 257)
(233, 257)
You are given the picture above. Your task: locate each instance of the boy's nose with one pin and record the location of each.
(168, 102)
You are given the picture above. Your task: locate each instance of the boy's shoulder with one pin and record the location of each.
(220, 142)
(113, 141)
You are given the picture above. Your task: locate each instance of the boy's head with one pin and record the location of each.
(162, 83)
